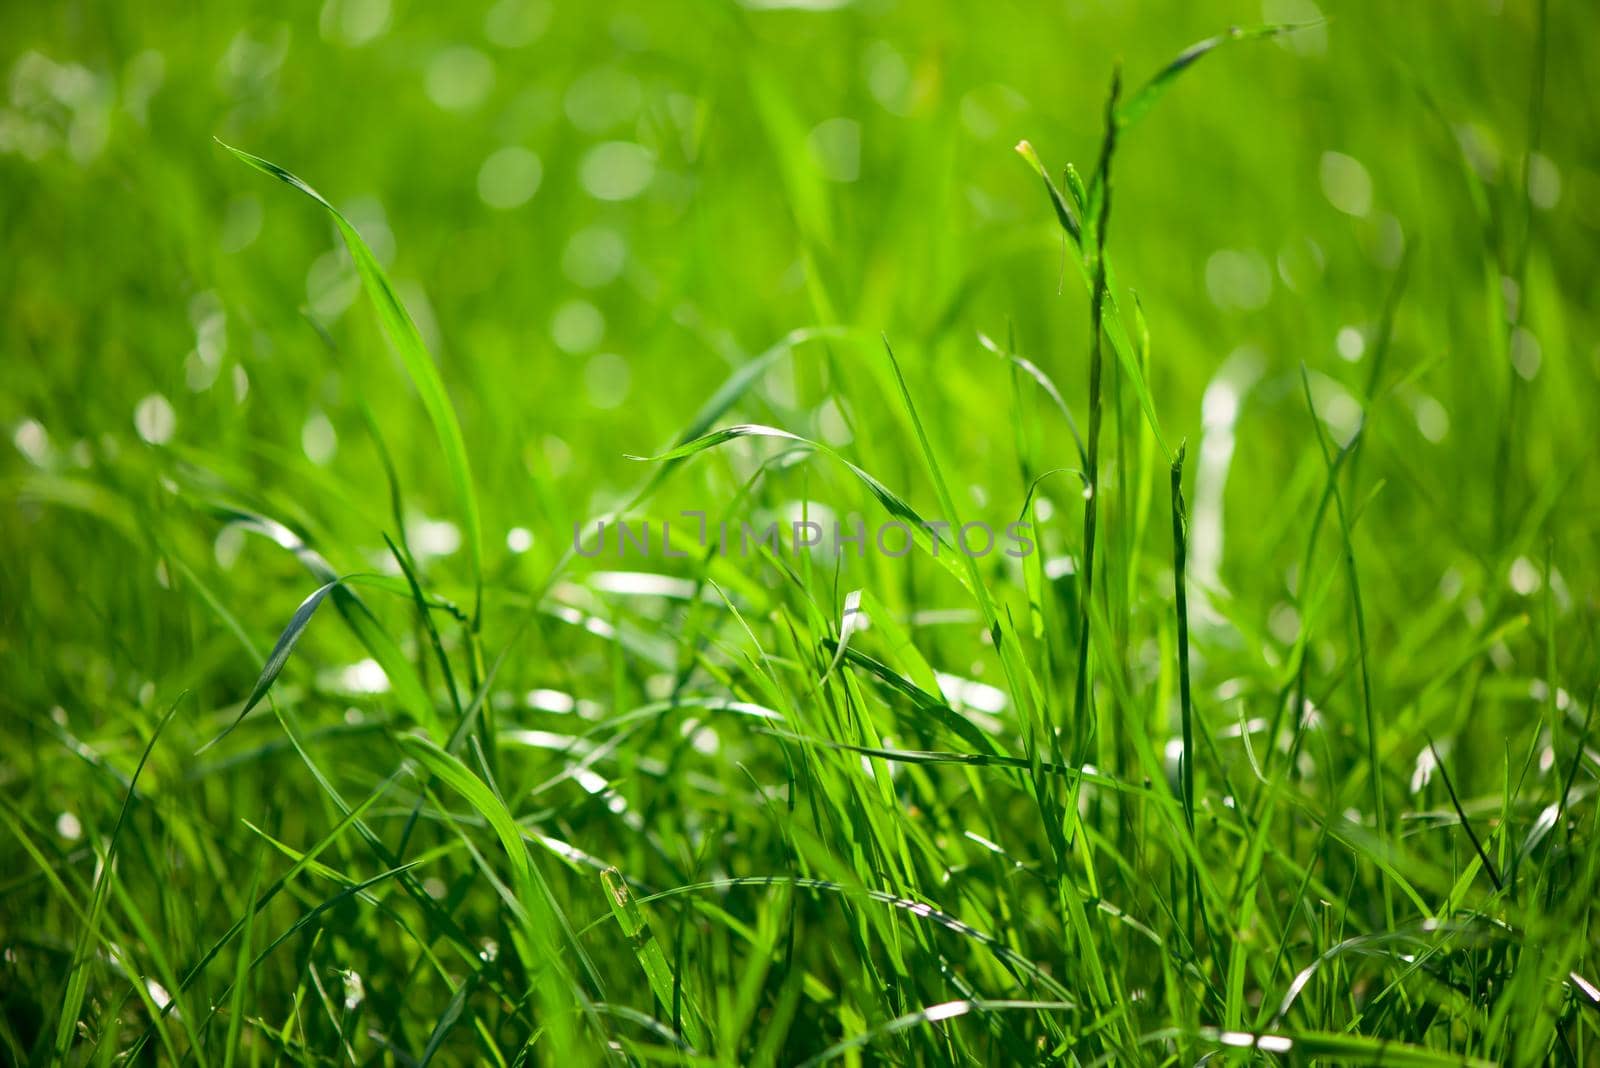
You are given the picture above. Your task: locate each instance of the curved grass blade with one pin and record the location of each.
(278, 657)
(849, 621)
(1033, 487)
(541, 920)
(1035, 372)
(402, 333)
(1338, 1048)
(1019, 677)
(1343, 1048)
(447, 1019)
(921, 532)
(402, 677)
(734, 387)
(1140, 103)
(1064, 214)
(923, 702)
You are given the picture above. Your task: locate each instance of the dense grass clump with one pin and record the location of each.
(422, 663)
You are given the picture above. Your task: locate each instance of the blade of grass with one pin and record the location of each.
(664, 983)
(242, 969)
(1082, 695)
(1139, 104)
(78, 974)
(402, 333)
(542, 921)
(396, 668)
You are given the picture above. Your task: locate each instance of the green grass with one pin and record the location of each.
(324, 744)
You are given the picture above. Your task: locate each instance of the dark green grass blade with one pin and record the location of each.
(447, 1020)
(277, 658)
(1336, 1048)
(979, 760)
(425, 619)
(919, 910)
(401, 675)
(1085, 721)
(922, 701)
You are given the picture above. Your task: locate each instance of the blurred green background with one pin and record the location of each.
(596, 210)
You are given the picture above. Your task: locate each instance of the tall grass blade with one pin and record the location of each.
(78, 975)
(402, 333)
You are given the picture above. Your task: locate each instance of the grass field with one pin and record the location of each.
(326, 740)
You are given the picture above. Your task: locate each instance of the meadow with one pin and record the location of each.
(332, 333)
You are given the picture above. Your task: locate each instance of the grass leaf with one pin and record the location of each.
(636, 929)
(403, 335)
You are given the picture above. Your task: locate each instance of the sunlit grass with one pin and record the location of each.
(329, 741)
